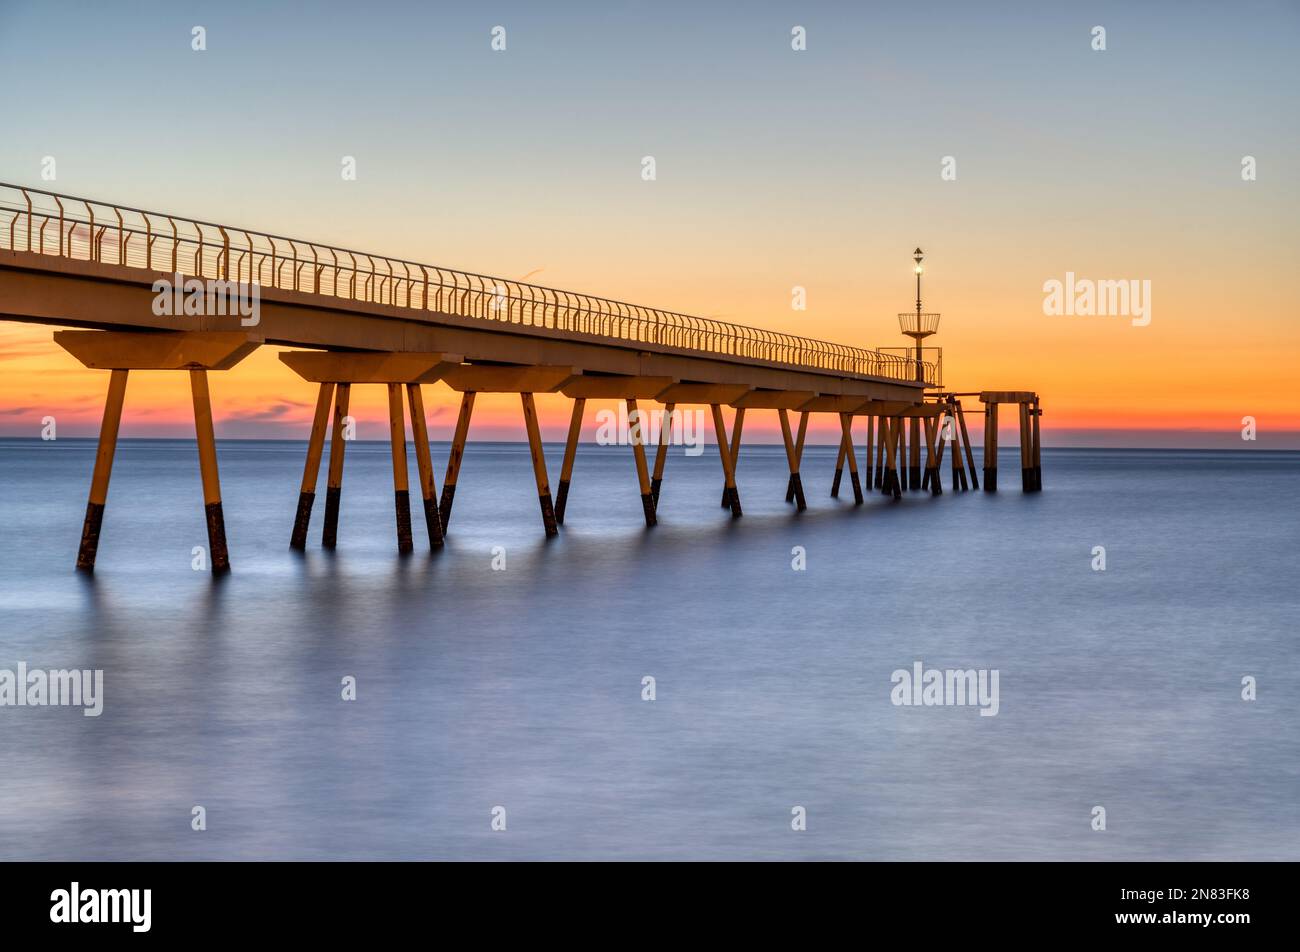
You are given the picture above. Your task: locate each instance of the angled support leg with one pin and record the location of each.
(884, 450)
(724, 451)
(737, 425)
(790, 493)
(570, 451)
(539, 463)
(970, 453)
(103, 470)
(792, 457)
(453, 461)
(851, 456)
(661, 452)
(932, 455)
(220, 556)
(839, 469)
(637, 432)
(424, 461)
(401, 480)
(334, 479)
(311, 471)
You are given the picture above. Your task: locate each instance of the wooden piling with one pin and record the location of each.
(453, 460)
(103, 470)
(570, 452)
(311, 470)
(424, 462)
(1025, 477)
(539, 463)
(933, 454)
(790, 486)
(219, 556)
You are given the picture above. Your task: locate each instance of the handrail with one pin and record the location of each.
(243, 255)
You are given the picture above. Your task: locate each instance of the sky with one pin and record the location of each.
(820, 168)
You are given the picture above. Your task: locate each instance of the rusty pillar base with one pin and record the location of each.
(936, 487)
(561, 500)
(990, 480)
(726, 498)
(835, 483)
(857, 487)
(444, 505)
(789, 488)
(329, 536)
(914, 477)
(654, 490)
(402, 501)
(734, 503)
(305, 502)
(217, 538)
(90, 537)
(433, 523)
(796, 487)
(648, 504)
(548, 514)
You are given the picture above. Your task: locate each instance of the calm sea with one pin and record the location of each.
(522, 688)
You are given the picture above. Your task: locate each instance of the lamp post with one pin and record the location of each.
(917, 325)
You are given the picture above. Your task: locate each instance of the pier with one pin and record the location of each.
(98, 271)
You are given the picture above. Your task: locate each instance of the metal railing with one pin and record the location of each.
(42, 222)
(932, 358)
(918, 324)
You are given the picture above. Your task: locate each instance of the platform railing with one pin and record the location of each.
(34, 220)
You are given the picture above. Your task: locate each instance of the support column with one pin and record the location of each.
(103, 470)
(661, 453)
(720, 432)
(1038, 449)
(1026, 477)
(846, 427)
(914, 460)
(311, 471)
(401, 485)
(539, 463)
(958, 472)
(970, 453)
(839, 468)
(453, 461)
(334, 479)
(882, 432)
(933, 454)
(570, 452)
(219, 556)
(424, 461)
(737, 425)
(991, 448)
(792, 457)
(798, 458)
(871, 430)
(894, 470)
(635, 427)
